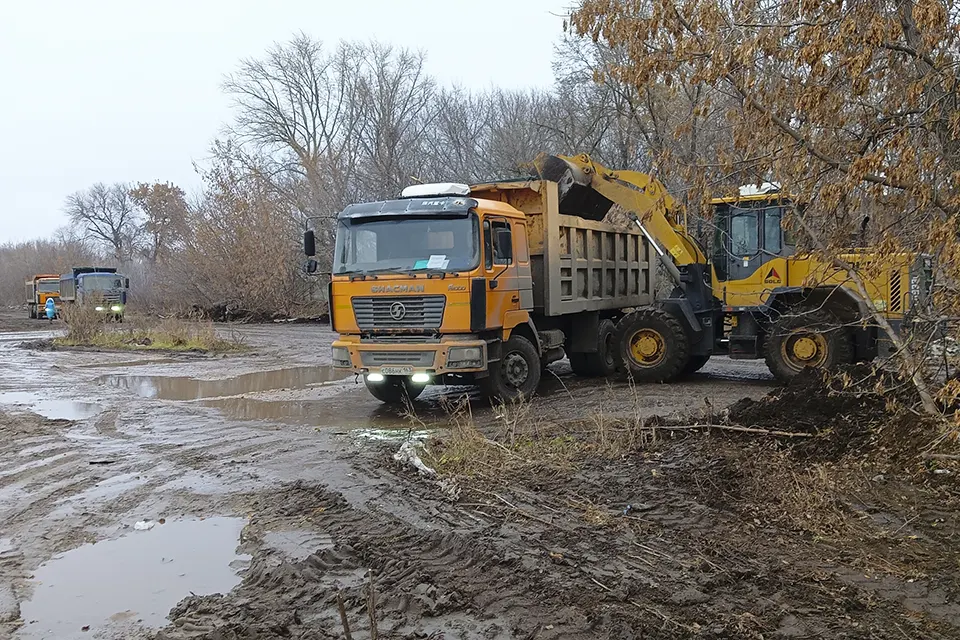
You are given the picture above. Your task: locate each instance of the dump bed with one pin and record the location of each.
(577, 264)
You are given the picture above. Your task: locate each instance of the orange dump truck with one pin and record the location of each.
(482, 284)
(39, 288)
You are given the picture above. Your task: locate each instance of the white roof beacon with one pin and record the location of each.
(759, 190)
(435, 189)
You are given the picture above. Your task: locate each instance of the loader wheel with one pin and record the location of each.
(652, 346)
(393, 389)
(694, 364)
(516, 375)
(603, 362)
(810, 339)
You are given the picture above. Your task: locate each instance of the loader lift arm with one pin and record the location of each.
(588, 186)
(589, 189)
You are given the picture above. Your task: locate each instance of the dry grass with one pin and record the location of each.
(520, 442)
(87, 328)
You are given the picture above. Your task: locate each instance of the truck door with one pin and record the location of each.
(501, 270)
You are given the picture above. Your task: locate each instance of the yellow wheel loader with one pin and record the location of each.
(755, 296)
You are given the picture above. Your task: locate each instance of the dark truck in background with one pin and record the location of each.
(99, 287)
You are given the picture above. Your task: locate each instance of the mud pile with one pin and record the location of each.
(855, 411)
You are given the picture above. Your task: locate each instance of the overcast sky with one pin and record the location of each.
(120, 90)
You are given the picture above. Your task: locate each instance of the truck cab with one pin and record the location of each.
(419, 282)
(40, 288)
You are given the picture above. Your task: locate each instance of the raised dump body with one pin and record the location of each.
(578, 265)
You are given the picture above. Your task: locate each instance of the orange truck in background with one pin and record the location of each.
(39, 288)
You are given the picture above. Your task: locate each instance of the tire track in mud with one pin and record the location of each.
(427, 581)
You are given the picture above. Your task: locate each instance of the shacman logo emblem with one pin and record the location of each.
(773, 276)
(398, 311)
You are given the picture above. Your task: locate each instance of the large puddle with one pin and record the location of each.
(52, 409)
(177, 388)
(135, 579)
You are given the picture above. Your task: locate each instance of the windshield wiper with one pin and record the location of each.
(372, 273)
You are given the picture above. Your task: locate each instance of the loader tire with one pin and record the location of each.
(806, 339)
(694, 364)
(652, 346)
(516, 375)
(602, 362)
(394, 390)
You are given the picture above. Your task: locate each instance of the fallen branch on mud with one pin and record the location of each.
(733, 427)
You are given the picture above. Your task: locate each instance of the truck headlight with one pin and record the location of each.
(341, 357)
(116, 308)
(98, 308)
(463, 357)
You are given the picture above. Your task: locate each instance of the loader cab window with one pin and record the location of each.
(744, 232)
(772, 242)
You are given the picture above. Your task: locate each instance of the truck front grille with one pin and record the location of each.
(396, 358)
(406, 312)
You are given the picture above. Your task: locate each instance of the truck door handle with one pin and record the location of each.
(515, 299)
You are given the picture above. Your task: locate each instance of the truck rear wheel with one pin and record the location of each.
(652, 346)
(32, 312)
(516, 375)
(602, 362)
(809, 339)
(393, 389)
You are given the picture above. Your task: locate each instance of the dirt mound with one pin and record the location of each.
(857, 410)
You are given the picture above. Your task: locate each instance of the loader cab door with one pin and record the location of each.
(747, 237)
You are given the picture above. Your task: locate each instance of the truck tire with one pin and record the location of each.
(652, 346)
(32, 312)
(694, 364)
(808, 339)
(516, 375)
(394, 389)
(603, 362)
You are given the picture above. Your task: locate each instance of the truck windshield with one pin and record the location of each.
(48, 286)
(102, 283)
(407, 243)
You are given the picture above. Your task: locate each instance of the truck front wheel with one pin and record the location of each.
(652, 346)
(393, 389)
(516, 375)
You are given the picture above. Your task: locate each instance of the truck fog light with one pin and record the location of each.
(341, 357)
(420, 377)
(456, 354)
(375, 377)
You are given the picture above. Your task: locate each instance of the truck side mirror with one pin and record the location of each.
(126, 283)
(505, 245)
(311, 266)
(309, 243)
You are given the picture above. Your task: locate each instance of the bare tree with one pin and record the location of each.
(107, 217)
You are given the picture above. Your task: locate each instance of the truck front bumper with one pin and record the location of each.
(390, 358)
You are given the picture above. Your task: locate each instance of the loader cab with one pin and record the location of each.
(749, 232)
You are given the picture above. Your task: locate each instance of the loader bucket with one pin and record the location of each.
(577, 197)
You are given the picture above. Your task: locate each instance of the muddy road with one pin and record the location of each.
(149, 495)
